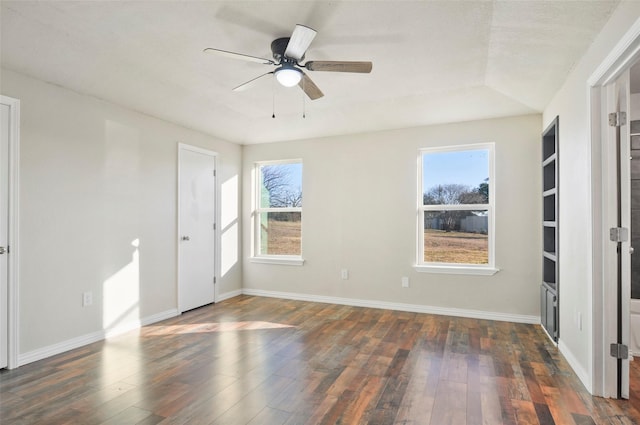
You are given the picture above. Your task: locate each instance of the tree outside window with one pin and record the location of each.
(278, 217)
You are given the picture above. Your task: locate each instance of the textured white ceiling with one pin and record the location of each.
(433, 61)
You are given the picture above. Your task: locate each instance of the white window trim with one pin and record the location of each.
(256, 257)
(283, 260)
(448, 268)
(444, 268)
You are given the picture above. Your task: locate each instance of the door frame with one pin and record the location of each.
(603, 294)
(216, 233)
(13, 231)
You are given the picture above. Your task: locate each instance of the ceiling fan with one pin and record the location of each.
(288, 53)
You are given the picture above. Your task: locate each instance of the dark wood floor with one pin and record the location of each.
(252, 360)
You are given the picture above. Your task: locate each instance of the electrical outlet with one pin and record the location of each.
(405, 281)
(344, 274)
(87, 299)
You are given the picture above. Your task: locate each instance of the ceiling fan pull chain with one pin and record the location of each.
(304, 103)
(273, 104)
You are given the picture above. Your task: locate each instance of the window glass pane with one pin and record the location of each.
(281, 185)
(460, 177)
(280, 233)
(459, 237)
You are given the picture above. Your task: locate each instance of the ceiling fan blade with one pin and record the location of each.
(309, 87)
(339, 66)
(299, 42)
(250, 83)
(240, 56)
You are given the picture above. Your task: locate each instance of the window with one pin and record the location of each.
(455, 216)
(278, 213)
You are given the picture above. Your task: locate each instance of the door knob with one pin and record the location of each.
(186, 238)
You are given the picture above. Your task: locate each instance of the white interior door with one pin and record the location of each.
(4, 226)
(196, 237)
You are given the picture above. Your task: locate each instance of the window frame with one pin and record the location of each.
(457, 268)
(257, 210)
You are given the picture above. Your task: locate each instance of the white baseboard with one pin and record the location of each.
(61, 347)
(227, 295)
(575, 365)
(126, 327)
(70, 344)
(414, 308)
(155, 318)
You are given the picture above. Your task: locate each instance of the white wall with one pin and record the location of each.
(95, 178)
(571, 104)
(360, 213)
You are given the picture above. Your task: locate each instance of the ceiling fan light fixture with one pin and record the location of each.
(288, 76)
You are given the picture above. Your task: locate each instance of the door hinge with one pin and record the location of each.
(214, 280)
(618, 234)
(214, 226)
(616, 119)
(214, 173)
(619, 351)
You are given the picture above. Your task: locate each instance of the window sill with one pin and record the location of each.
(281, 260)
(470, 270)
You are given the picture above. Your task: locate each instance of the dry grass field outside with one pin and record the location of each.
(283, 237)
(455, 247)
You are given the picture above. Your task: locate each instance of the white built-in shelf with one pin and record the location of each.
(549, 290)
(549, 160)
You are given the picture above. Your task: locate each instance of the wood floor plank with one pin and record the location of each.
(525, 412)
(560, 412)
(368, 394)
(100, 411)
(491, 408)
(270, 416)
(389, 402)
(417, 403)
(130, 416)
(252, 360)
(450, 405)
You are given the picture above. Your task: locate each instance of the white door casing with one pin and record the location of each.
(196, 227)
(9, 179)
(4, 214)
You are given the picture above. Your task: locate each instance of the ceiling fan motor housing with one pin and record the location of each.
(278, 47)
